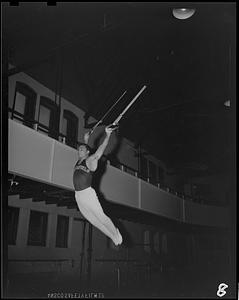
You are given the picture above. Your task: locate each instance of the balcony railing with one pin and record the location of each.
(123, 167)
(39, 157)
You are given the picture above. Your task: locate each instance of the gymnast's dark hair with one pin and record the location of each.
(84, 144)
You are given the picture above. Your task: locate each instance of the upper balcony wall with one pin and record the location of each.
(64, 159)
(154, 199)
(42, 90)
(37, 156)
(120, 187)
(29, 153)
(125, 153)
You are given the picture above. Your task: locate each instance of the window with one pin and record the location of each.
(44, 115)
(24, 104)
(64, 126)
(20, 103)
(62, 231)
(37, 229)
(13, 216)
(70, 128)
(49, 117)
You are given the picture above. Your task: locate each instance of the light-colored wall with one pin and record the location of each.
(120, 187)
(29, 152)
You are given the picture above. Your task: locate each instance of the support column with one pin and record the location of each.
(89, 258)
(23, 224)
(51, 232)
(70, 232)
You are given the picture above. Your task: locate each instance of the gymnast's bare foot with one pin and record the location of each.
(120, 239)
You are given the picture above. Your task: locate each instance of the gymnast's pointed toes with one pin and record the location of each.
(120, 239)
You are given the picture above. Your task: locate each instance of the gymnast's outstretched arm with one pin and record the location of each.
(92, 160)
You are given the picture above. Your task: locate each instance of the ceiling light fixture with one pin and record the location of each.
(227, 103)
(183, 13)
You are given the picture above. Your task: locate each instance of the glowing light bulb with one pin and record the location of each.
(227, 103)
(183, 13)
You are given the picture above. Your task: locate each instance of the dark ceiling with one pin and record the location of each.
(96, 51)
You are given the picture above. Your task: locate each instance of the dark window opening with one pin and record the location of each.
(24, 104)
(13, 217)
(49, 117)
(70, 128)
(62, 232)
(37, 229)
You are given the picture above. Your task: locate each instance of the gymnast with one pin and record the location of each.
(85, 195)
(86, 165)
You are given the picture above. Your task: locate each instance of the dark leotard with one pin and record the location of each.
(82, 176)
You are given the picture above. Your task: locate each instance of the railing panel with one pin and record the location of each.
(120, 187)
(160, 202)
(29, 152)
(64, 160)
